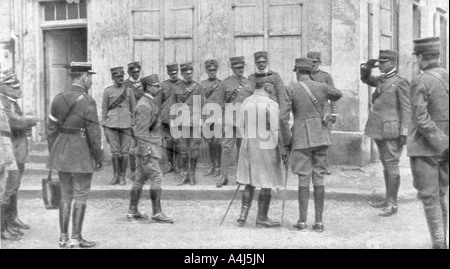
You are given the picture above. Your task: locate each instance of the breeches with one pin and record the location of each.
(390, 153)
(150, 170)
(310, 164)
(119, 141)
(75, 186)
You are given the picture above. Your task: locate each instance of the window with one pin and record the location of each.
(416, 21)
(61, 11)
(389, 24)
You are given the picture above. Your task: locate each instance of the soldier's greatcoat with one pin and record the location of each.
(273, 78)
(80, 151)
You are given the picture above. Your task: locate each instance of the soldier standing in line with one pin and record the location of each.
(118, 106)
(276, 89)
(20, 127)
(428, 138)
(215, 149)
(260, 159)
(233, 90)
(323, 77)
(309, 138)
(185, 93)
(388, 122)
(147, 131)
(76, 152)
(134, 82)
(171, 145)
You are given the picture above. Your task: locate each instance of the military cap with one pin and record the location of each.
(427, 45)
(12, 81)
(117, 71)
(150, 80)
(210, 63)
(261, 54)
(388, 55)
(315, 56)
(186, 68)
(134, 66)
(237, 61)
(303, 63)
(172, 68)
(81, 67)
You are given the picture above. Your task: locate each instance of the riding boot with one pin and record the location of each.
(383, 203)
(247, 198)
(133, 212)
(193, 168)
(319, 201)
(14, 220)
(10, 227)
(435, 226)
(64, 220)
(394, 186)
(184, 167)
(218, 154)
(158, 216)
(5, 234)
(123, 170)
(176, 159)
(170, 157)
(115, 165)
(212, 169)
(303, 199)
(444, 207)
(132, 161)
(263, 220)
(77, 241)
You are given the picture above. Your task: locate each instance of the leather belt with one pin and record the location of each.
(6, 134)
(81, 131)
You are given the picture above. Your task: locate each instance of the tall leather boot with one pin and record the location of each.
(64, 220)
(170, 157)
(247, 198)
(132, 162)
(158, 216)
(383, 203)
(262, 220)
(218, 154)
(319, 201)
(5, 234)
(435, 226)
(184, 174)
(444, 208)
(176, 158)
(193, 167)
(14, 216)
(133, 212)
(77, 241)
(115, 165)
(212, 169)
(394, 186)
(123, 170)
(303, 199)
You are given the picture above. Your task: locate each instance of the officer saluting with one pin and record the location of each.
(147, 131)
(75, 146)
(428, 138)
(388, 122)
(215, 149)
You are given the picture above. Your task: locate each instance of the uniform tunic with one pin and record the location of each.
(259, 165)
(210, 86)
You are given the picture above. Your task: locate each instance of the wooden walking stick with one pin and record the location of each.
(228, 209)
(286, 168)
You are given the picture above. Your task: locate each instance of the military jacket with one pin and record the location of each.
(324, 77)
(428, 135)
(186, 94)
(168, 88)
(308, 130)
(120, 117)
(77, 152)
(275, 80)
(136, 86)
(210, 86)
(390, 115)
(147, 128)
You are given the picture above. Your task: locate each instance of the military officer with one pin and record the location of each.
(118, 106)
(147, 130)
(215, 149)
(186, 92)
(76, 151)
(276, 89)
(260, 160)
(388, 122)
(232, 91)
(323, 77)
(171, 145)
(428, 138)
(134, 81)
(20, 126)
(7, 164)
(309, 138)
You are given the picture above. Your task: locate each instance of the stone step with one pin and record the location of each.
(38, 157)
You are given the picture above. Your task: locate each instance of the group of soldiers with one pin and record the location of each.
(137, 120)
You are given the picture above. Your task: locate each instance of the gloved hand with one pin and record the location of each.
(371, 63)
(402, 140)
(98, 166)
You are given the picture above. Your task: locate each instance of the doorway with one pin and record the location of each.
(61, 47)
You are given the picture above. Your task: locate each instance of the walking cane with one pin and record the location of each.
(228, 209)
(286, 168)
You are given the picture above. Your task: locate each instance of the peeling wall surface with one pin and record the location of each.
(156, 32)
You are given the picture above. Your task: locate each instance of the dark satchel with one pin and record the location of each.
(51, 192)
